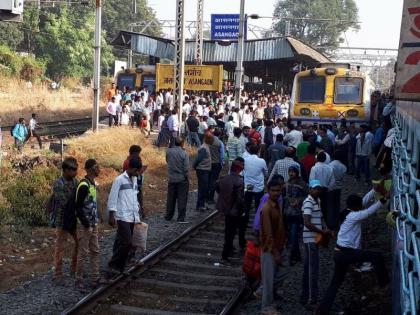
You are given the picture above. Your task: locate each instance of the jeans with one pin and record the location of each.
(193, 139)
(60, 242)
(231, 226)
(122, 245)
(112, 120)
(334, 208)
(214, 176)
(174, 134)
(323, 198)
(351, 156)
(293, 224)
(363, 165)
(177, 194)
(310, 288)
(88, 252)
(272, 277)
(342, 259)
(203, 178)
(249, 197)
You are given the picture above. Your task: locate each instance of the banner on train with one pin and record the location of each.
(196, 78)
(407, 84)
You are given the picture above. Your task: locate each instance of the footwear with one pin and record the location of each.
(257, 295)
(182, 222)
(226, 262)
(211, 202)
(82, 287)
(113, 271)
(311, 306)
(101, 281)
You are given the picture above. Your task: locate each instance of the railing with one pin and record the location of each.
(406, 200)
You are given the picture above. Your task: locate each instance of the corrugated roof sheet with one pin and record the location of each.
(215, 52)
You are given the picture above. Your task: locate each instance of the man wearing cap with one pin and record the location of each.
(312, 220)
(123, 208)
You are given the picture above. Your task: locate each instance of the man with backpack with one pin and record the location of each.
(62, 215)
(87, 212)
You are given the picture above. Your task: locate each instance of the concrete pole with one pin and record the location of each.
(240, 55)
(179, 58)
(97, 66)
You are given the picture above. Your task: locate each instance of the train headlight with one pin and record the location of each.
(305, 111)
(330, 71)
(352, 113)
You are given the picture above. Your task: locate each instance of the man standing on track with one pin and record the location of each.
(231, 202)
(33, 125)
(272, 242)
(123, 208)
(178, 183)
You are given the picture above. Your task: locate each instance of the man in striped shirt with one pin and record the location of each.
(312, 220)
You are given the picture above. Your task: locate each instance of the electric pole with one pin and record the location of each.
(240, 55)
(199, 33)
(97, 66)
(179, 58)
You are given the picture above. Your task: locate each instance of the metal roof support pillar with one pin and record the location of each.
(240, 55)
(97, 66)
(130, 52)
(179, 58)
(199, 33)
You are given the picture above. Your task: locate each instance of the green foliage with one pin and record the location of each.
(10, 34)
(342, 16)
(26, 195)
(26, 68)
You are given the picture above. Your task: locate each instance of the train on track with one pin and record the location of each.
(331, 93)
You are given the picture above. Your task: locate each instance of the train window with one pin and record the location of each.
(126, 79)
(348, 90)
(312, 89)
(150, 81)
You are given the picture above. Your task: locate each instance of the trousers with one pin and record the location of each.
(231, 226)
(203, 178)
(334, 208)
(177, 194)
(88, 252)
(193, 139)
(272, 277)
(214, 176)
(310, 288)
(243, 225)
(363, 165)
(342, 259)
(122, 245)
(61, 237)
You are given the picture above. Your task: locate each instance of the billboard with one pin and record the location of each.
(196, 78)
(226, 26)
(407, 84)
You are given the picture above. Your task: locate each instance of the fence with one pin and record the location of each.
(406, 200)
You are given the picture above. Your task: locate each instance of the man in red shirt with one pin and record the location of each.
(308, 161)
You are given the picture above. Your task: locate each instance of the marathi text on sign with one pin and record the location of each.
(196, 78)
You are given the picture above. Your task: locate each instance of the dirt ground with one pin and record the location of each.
(25, 253)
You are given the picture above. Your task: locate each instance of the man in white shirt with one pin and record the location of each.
(173, 125)
(348, 252)
(33, 125)
(293, 137)
(255, 172)
(112, 112)
(123, 208)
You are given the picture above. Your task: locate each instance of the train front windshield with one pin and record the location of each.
(312, 89)
(348, 90)
(126, 79)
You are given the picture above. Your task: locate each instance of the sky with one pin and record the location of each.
(380, 19)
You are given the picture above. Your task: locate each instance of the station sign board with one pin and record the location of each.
(196, 78)
(226, 26)
(407, 84)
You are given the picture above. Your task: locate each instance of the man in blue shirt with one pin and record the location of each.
(20, 133)
(378, 138)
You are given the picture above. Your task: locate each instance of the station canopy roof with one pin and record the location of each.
(262, 57)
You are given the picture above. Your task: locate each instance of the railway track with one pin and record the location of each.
(182, 277)
(64, 128)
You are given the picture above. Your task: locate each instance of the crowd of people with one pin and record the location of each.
(290, 175)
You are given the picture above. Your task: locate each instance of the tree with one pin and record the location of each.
(342, 15)
(10, 34)
(66, 43)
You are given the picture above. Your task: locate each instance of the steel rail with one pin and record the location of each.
(88, 302)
